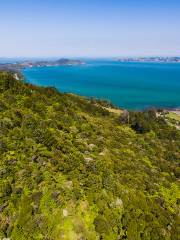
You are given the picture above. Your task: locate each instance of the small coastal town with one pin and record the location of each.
(150, 59)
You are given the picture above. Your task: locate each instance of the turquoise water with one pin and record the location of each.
(127, 85)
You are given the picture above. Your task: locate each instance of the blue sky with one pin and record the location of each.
(89, 28)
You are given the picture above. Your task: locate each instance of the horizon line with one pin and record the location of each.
(90, 57)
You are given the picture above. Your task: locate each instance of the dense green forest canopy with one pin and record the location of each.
(72, 170)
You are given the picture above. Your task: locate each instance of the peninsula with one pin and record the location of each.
(18, 66)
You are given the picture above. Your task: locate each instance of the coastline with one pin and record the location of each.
(19, 75)
(175, 111)
(119, 109)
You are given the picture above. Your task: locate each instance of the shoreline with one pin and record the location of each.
(19, 75)
(175, 111)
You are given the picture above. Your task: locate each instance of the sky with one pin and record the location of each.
(89, 28)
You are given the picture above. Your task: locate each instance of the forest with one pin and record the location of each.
(72, 170)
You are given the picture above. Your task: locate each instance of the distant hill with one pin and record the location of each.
(65, 61)
(71, 169)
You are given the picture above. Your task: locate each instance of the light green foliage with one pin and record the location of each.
(171, 194)
(72, 170)
(174, 116)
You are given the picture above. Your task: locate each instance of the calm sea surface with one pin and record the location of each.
(128, 85)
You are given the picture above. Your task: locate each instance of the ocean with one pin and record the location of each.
(134, 86)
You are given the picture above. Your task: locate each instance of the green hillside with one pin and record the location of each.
(72, 170)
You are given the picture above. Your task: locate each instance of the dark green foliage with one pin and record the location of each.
(149, 120)
(70, 169)
(143, 122)
(102, 225)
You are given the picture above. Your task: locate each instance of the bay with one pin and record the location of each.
(127, 85)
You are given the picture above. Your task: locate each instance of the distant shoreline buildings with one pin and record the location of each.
(150, 59)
